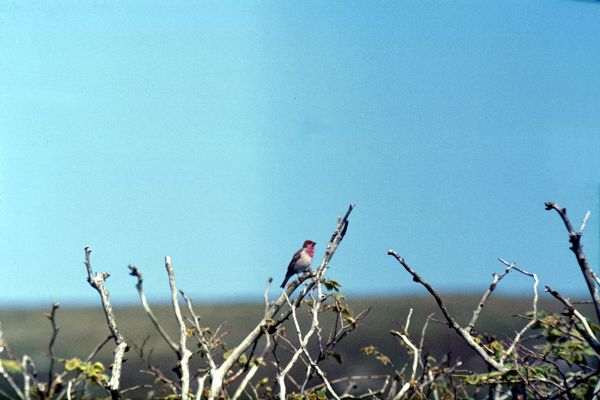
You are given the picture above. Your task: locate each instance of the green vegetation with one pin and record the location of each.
(27, 331)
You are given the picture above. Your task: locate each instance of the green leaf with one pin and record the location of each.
(72, 364)
(11, 367)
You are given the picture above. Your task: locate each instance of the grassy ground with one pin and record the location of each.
(81, 329)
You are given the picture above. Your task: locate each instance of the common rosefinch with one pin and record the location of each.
(300, 261)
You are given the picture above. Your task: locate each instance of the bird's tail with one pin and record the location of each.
(287, 278)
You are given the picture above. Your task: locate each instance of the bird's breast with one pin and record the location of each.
(303, 262)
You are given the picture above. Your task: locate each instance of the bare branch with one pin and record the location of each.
(5, 374)
(496, 278)
(97, 282)
(584, 221)
(28, 377)
(196, 320)
(185, 353)
(303, 343)
(520, 334)
(577, 249)
(415, 350)
(575, 315)
(55, 328)
(266, 324)
(98, 348)
(134, 271)
(252, 371)
(200, 389)
(465, 334)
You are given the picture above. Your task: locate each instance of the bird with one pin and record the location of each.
(300, 261)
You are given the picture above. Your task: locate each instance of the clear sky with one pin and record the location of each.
(224, 134)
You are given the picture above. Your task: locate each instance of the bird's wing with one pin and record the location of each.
(294, 260)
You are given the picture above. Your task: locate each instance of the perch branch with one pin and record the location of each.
(266, 323)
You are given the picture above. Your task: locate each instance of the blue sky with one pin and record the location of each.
(224, 134)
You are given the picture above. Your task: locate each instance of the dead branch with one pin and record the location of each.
(415, 363)
(585, 330)
(29, 373)
(465, 334)
(520, 334)
(204, 343)
(97, 282)
(303, 343)
(5, 374)
(185, 353)
(134, 271)
(252, 371)
(496, 278)
(266, 323)
(55, 328)
(577, 249)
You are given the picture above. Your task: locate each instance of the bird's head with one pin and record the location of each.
(308, 244)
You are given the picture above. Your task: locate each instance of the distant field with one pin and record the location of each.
(28, 331)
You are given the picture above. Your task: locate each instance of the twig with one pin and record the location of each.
(97, 282)
(586, 331)
(577, 249)
(196, 320)
(97, 348)
(200, 390)
(55, 328)
(185, 353)
(252, 371)
(136, 387)
(520, 334)
(4, 373)
(465, 334)
(496, 278)
(134, 271)
(28, 377)
(303, 345)
(415, 363)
